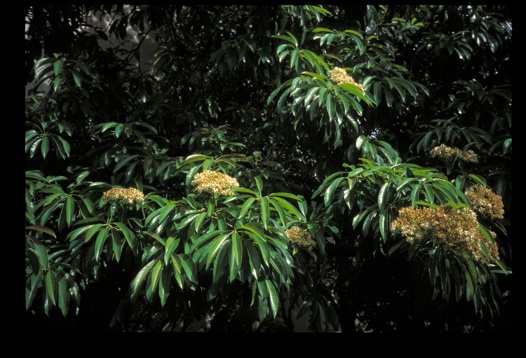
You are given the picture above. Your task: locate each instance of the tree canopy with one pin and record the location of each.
(242, 168)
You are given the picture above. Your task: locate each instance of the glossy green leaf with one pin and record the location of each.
(384, 195)
(77, 77)
(169, 247)
(128, 234)
(63, 296)
(44, 147)
(70, 206)
(116, 243)
(265, 212)
(216, 246)
(329, 193)
(154, 281)
(99, 243)
(237, 248)
(177, 270)
(139, 279)
(236, 254)
(91, 231)
(254, 258)
(56, 83)
(189, 268)
(288, 207)
(216, 286)
(164, 286)
(273, 298)
(51, 286)
(33, 284)
(246, 206)
(384, 223)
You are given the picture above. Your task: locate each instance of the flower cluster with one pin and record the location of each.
(485, 202)
(450, 153)
(339, 75)
(124, 196)
(213, 182)
(457, 228)
(300, 237)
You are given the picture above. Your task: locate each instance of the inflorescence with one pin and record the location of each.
(339, 75)
(451, 153)
(213, 182)
(300, 237)
(485, 202)
(457, 228)
(124, 196)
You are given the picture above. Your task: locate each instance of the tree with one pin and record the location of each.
(349, 164)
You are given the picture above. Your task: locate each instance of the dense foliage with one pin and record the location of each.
(348, 166)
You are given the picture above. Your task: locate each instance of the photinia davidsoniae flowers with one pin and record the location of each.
(485, 202)
(300, 237)
(457, 228)
(449, 154)
(339, 75)
(128, 196)
(213, 182)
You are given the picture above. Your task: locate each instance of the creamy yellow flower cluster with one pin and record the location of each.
(210, 181)
(485, 202)
(300, 237)
(458, 228)
(129, 195)
(450, 153)
(339, 75)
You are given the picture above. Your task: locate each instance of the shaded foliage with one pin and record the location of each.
(252, 92)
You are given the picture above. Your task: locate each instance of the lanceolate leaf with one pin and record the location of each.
(51, 286)
(273, 298)
(138, 281)
(33, 284)
(99, 243)
(216, 246)
(63, 296)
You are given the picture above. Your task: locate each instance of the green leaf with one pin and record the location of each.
(56, 83)
(216, 246)
(246, 206)
(128, 234)
(164, 286)
(329, 193)
(259, 238)
(99, 243)
(384, 226)
(176, 263)
(44, 147)
(287, 206)
(384, 195)
(70, 205)
(254, 258)
(51, 286)
(77, 77)
(169, 247)
(259, 185)
(189, 268)
(237, 248)
(138, 281)
(236, 253)
(57, 67)
(116, 244)
(32, 287)
(273, 298)
(92, 230)
(264, 212)
(154, 282)
(63, 296)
